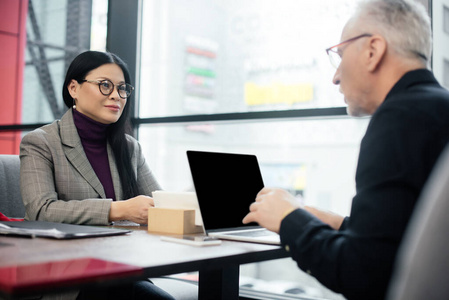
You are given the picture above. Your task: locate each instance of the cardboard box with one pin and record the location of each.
(172, 221)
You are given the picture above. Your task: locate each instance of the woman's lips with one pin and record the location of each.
(115, 108)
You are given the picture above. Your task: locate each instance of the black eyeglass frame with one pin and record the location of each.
(100, 82)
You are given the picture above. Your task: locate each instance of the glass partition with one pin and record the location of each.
(57, 31)
(314, 158)
(207, 57)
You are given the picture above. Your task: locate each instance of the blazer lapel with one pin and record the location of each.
(75, 153)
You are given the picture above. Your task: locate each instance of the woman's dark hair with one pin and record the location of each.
(116, 133)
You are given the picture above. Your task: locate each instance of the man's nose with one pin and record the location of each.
(336, 79)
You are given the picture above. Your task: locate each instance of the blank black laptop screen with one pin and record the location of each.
(226, 184)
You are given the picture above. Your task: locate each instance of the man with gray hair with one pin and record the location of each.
(382, 66)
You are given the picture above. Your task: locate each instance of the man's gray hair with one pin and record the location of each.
(404, 24)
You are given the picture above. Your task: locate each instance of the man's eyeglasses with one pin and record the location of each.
(335, 54)
(107, 87)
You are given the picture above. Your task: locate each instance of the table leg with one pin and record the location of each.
(219, 284)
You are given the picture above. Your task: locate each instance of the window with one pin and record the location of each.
(50, 49)
(315, 158)
(446, 19)
(446, 73)
(208, 57)
(250, 77)
(56, 31)
(233, 60)
(440, 34)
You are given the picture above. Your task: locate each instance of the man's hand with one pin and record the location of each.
(271, 206)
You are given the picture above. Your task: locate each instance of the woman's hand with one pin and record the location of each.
(134, 209)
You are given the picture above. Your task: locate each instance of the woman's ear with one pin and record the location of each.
(376, 52)
(73, 87)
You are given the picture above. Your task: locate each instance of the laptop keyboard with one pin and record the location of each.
(255, 233)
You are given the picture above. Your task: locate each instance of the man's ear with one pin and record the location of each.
(73, 88)
(376, 52)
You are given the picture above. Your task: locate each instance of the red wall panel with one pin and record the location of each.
(9, 21)
(12, 63)
(8, 78)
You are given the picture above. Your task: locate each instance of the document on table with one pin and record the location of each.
(55, 230)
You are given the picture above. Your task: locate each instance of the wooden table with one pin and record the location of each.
(218, 266)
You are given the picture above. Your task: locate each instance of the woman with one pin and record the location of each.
(84, 169)
(75, 169)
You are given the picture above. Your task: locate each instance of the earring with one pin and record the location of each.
(74, 103)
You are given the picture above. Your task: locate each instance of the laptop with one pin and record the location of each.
(226, 184)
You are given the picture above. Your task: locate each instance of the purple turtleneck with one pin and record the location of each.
(93, 139)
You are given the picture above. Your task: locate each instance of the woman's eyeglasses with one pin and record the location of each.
(107, 87)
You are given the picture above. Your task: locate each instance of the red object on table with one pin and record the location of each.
(5, 218)
(22, 278)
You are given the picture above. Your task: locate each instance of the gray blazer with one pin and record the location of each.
(58, 183)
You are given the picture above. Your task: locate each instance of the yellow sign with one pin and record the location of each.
(277, 93)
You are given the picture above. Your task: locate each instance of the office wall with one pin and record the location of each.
(12, 41)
